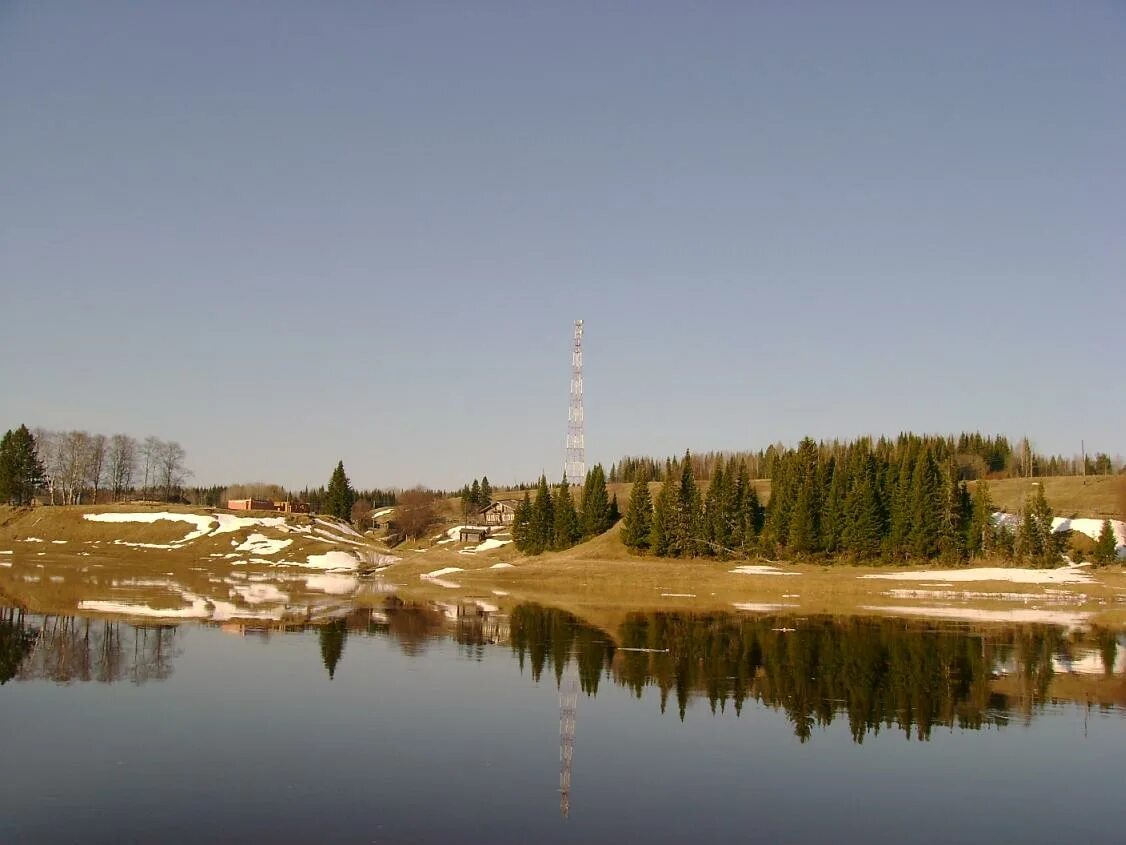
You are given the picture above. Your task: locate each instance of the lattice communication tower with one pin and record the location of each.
(574, 466)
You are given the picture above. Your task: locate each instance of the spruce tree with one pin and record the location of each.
(803, 534)
(981, 534)
(567, 531)
(833, 511)
(637, 527)
(1035, 540)
(21, 471)
(864, 531)
(543, 518)
(475, 494)
(522, 525)
(1106, 546)
(955, 516)
(750, 517)
(664, 517)
(717, 516)
(783, 492)
(340, 496)
(485, 494)
(925, 527)
(899, 494)
(686, 533)
(614, 513)
(595, 507)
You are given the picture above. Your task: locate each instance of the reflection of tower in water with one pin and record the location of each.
(568, 705)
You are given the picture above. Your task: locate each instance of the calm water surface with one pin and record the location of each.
(435, 724)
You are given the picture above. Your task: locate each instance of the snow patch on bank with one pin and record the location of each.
(758, 607)
(759, 569)
(329, 560)
(1061, 575)
(1084, 525)
(260, 544)
(485, 546)
(202, 523)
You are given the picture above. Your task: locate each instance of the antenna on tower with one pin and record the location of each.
(574, 465)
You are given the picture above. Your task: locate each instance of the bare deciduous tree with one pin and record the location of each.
(122, 464)
(414, 513)
(361, 513)
(72, 465)
(96, 465)
(256, 490)
(150, 454)
(171, 471)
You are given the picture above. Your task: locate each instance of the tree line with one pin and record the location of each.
(76, 467)
(861, 501)
(976, 455)
(553, 521)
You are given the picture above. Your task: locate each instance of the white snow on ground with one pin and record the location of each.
(1084, 525)
(381, 512)
(435, 577)
(1053, 597)
(502, 566)
(487, 545)
(6, 552)
(229, 523)
(339, 526)
(678, 595)
(332, 583)
(259, 593)
(321, 534)
(329, 560)
(756, 607)
(202, 523)
(1062, 575)
(7, 563)
(1071, 619)
(378, 558)
(761, 570)
(260, 544)
(34, 540)
(59, 542)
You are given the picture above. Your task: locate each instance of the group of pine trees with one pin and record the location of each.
(976, 455)
(553, 521)
(725, 520)
(21, 470)
(861, 500)
(477, 495)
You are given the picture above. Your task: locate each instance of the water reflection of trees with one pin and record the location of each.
(69, 649)
(877, 673)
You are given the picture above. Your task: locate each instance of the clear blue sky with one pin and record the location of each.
(289, 233)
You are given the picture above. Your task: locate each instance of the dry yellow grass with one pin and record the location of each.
(1098, 496)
